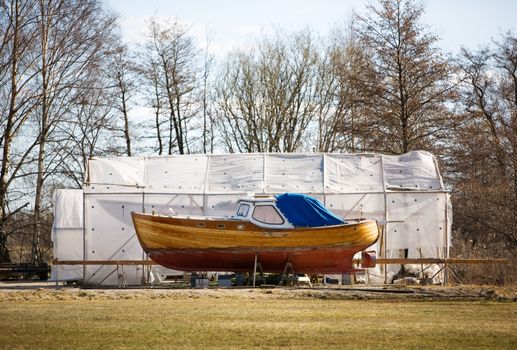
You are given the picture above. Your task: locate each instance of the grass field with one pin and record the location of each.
(255, 318)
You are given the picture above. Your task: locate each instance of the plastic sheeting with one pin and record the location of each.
(412, 171)
(268, 173)
(405, 192)
(68, 209)
(67, 234)
(304, 211)
(124, 171)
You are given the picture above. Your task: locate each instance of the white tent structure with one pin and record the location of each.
(405, 192)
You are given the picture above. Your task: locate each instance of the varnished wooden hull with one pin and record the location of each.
(307, 261)
(180, 244)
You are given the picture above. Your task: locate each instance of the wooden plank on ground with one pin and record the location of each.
(403, 261)
(102, 262)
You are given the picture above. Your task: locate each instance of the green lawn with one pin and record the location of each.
(244, 321)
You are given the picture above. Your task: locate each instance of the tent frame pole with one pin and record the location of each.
(384, 231)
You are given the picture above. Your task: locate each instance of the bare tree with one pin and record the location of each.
(207, 101)
(71, 35)
(484, 158)
(89, 129)
(47, 50)
(413, 81)
(266, 99)
(505, 60)
(122, 73)
(16, 57)
(171, 67)
(150, 76)
(343, 109)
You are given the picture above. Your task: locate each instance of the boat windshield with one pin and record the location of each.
(267, 214)
(243, 210)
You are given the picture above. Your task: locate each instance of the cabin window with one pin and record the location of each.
(243, 210)
(267, 214)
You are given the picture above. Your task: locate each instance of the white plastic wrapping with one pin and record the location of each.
(414, 170)
(404, 193)
(67, 234)
(269, 173)
(353, 173)
(68, 209)
(166, 204)
(302, 173)
(110, 235)
(235, 173)
(123, 171)
(109, 230)
(356, 206)
(416, 220)
(176, 174)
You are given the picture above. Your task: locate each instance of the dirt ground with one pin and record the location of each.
(21, 290)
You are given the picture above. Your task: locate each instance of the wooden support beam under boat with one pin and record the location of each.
(438, 261)
(379, 261)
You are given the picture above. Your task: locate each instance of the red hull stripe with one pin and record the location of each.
(303, 261)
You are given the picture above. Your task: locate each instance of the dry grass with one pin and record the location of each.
(79, 319)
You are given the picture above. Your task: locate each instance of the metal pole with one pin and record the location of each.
(84, 238)
(324, 160)
(385, 229)
(446, 233)
(205, 184)
(255, 270)
(264, 174)
(146, 271)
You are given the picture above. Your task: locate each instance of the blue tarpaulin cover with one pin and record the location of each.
(305, 211)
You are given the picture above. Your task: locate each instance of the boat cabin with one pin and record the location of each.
(263, 212)
(287, 210)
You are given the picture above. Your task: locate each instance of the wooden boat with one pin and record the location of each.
(260, 228)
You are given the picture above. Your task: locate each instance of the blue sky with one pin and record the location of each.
(233, 23)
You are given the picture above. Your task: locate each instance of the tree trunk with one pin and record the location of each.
(36, 232)
(35, 247)
(6, 156)
(157, 121)
(8, 139)
(179, 130)
(126, 125)
(173, 121)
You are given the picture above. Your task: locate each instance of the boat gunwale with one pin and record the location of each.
(166, 219)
